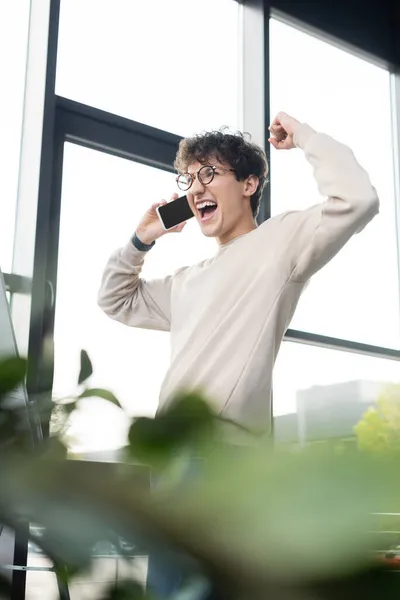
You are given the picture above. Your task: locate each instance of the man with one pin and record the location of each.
(228, 314)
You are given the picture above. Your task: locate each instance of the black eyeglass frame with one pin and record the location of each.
(192, 176)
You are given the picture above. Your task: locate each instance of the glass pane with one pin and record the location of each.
(14, 22)
(146, 60)
(328, 391)
(345, 97)
(106, 568)
(94, 582)
(103, 199)
(41, 583)
(6, 551)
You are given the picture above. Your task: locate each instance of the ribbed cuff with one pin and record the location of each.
(139, 245)
(302, 134)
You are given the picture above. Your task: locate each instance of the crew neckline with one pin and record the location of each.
(236, 239)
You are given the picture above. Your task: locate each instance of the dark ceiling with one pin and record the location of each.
(372, 25)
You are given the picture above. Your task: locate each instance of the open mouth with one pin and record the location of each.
(206, 209)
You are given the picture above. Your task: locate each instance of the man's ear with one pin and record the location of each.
(251, 184)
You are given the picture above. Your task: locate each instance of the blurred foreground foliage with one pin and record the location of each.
(248, 519)
(378, 432)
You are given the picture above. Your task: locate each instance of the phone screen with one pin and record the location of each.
(175, 212)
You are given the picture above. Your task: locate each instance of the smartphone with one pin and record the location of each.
(174, 212)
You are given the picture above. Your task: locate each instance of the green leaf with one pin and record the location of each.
(69, 407)
(12, 373)
(151, 439)
(86, 367)
(100, 393)
(182, 423)
(62, 573)
(189, 413)
(372, 583)
(292, 515)
(125, 590)
(56, 448)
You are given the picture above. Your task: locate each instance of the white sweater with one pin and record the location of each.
(227, 315)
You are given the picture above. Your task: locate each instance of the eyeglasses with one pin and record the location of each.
(205, 175)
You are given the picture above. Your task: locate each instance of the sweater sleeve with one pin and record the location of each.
(130, 299)
(350, 204)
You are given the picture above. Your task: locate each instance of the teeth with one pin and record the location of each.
(204, 204)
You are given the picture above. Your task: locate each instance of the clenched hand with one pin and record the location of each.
(282, 129)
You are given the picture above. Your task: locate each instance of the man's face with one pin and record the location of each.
(222, 206)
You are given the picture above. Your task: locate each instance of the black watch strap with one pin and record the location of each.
(139, 245)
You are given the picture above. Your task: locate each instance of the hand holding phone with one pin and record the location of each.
(151, 227)
(174, 213)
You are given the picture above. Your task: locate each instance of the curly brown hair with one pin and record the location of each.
(227, 148)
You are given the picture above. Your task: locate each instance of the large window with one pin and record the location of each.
(321, 393)
(103, 198)
(173, 65)
(357, 295)
(14, 20)
(177, 65)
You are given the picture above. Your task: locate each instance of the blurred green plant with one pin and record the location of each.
(378, 432)
(255, 521)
